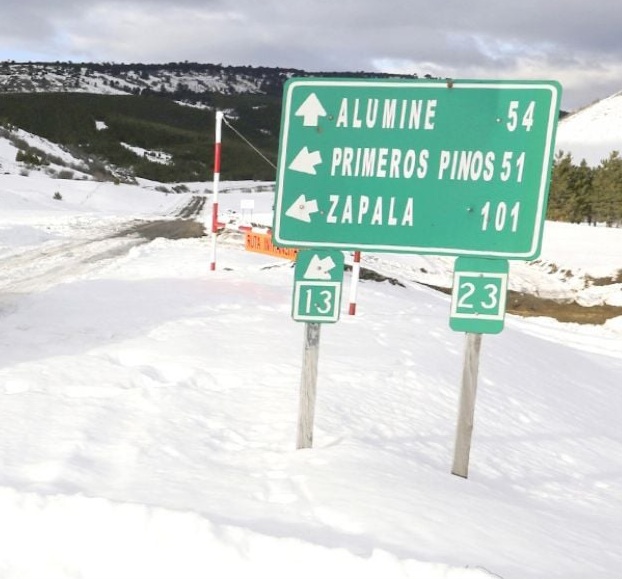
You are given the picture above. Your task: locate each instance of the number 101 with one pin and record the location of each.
(500, 217)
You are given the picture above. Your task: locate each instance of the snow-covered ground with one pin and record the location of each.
(148, 410)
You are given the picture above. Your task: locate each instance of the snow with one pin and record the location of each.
(148, 408)
(592, 133)
(154, 156)
(46, 77)
(8, 153)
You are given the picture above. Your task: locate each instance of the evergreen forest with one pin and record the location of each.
(153, 123)
(583, 194)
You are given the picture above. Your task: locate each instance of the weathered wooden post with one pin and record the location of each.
(466, 414)
(308, 385)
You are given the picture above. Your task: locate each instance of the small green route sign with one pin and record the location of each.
(479, 295)
(419, 166)
(318, 278)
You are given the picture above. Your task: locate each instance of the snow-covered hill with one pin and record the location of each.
(184, 80)
(10, 142)
(130, 79)
(593, 132)
(590, 133)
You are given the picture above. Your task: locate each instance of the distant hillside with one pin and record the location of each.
(156, 121)
(187, 81)
(158, 118)
(150, 136)
(173, 79)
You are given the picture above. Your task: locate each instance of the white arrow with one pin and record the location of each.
(319, 268)
(310, 110)
(302, 209)
(306, 161)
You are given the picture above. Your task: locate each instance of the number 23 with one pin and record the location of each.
(491, 289)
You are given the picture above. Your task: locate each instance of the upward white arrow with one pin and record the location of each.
(311, 110)
(319, 268)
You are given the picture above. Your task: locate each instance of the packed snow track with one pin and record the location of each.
(53, 262)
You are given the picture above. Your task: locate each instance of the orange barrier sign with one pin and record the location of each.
(262, 243)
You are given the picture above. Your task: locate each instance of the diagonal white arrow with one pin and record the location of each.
(305, 161)
(319, 268)
(311, 110)
(302, 209)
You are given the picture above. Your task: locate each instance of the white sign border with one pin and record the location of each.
(475, 316)
(334, 317)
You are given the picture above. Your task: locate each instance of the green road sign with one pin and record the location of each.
(479, 295)
(318, 277)
(419, 166)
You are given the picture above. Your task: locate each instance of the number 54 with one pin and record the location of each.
(526, 120)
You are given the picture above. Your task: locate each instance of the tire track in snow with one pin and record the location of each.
(59, 261)
(42, 268)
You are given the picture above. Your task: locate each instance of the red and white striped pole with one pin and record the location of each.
(217, 151)
(356, 271)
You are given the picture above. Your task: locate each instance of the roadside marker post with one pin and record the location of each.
(217, 154)
(318, 277)
(356, 274)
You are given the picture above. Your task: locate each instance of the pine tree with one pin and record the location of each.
(561, 187)
(607, 197)
(580, 202)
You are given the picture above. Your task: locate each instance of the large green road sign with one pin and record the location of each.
(418, 166)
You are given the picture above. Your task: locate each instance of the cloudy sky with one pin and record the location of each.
(577, 42)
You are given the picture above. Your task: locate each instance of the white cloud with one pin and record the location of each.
(560, 39)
